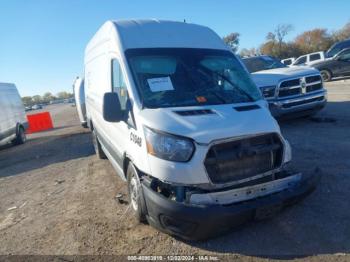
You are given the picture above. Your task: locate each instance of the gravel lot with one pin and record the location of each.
(57, 198)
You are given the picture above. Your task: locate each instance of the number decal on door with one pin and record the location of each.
(136, 139)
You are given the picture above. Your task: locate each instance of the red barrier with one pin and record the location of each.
(39, 122)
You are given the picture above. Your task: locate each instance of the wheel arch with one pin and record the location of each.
(326, 69)
(127, 159)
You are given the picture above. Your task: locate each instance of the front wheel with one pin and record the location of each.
(20, 137)
(136, 198)
(326, 75)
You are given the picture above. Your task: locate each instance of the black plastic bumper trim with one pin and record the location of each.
(212, 220)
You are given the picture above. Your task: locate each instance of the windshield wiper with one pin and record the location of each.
(242, 91)
(223, 100)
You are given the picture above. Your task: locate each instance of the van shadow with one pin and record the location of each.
(318, 225)
(44, 151)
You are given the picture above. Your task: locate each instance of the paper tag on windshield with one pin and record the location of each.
(160, 84)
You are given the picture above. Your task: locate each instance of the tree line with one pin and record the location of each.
(318, 39)
(45, 98)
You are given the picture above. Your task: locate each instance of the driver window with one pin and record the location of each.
(118, 84)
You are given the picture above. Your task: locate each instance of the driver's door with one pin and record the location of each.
(117, 133)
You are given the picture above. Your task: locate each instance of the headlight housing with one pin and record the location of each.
(168, 147)
(268, 91)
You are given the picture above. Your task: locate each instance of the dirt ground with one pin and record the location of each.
(57, 198)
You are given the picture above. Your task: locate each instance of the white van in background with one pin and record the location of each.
(182, 122)
(13, 120)
(79, 95)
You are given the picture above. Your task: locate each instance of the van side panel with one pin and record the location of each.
(121, 140)
(97, 82)
(12, 111)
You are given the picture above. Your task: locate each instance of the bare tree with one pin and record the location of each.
(271, 37)
(281, 31)
(275, 44)
(232, 40)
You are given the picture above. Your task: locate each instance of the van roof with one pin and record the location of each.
(153, 33)
(7, 87)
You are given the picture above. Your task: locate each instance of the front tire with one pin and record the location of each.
(97, 145)
(135, 193)
(326, 75)
(20, 137)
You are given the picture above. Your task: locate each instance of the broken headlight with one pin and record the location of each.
(168, 147)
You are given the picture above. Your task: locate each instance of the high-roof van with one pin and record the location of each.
(13, 120)
(182, 122)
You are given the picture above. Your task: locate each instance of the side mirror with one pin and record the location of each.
(112, 111)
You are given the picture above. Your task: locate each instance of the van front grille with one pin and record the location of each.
(244, 158)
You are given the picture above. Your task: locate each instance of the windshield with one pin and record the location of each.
(173, 77)
(336, 48)
(260, 63)
(333, 51)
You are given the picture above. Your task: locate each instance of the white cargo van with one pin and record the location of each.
(79, 95)
(13, 120)
(180, 119)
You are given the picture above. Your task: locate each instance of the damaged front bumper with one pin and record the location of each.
(203, 218)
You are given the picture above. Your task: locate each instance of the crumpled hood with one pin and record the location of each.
(225, 123)
(273, 76)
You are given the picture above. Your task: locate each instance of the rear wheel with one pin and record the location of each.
(326, 75)
(136, 198)
(97, 145)
(20, 136)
